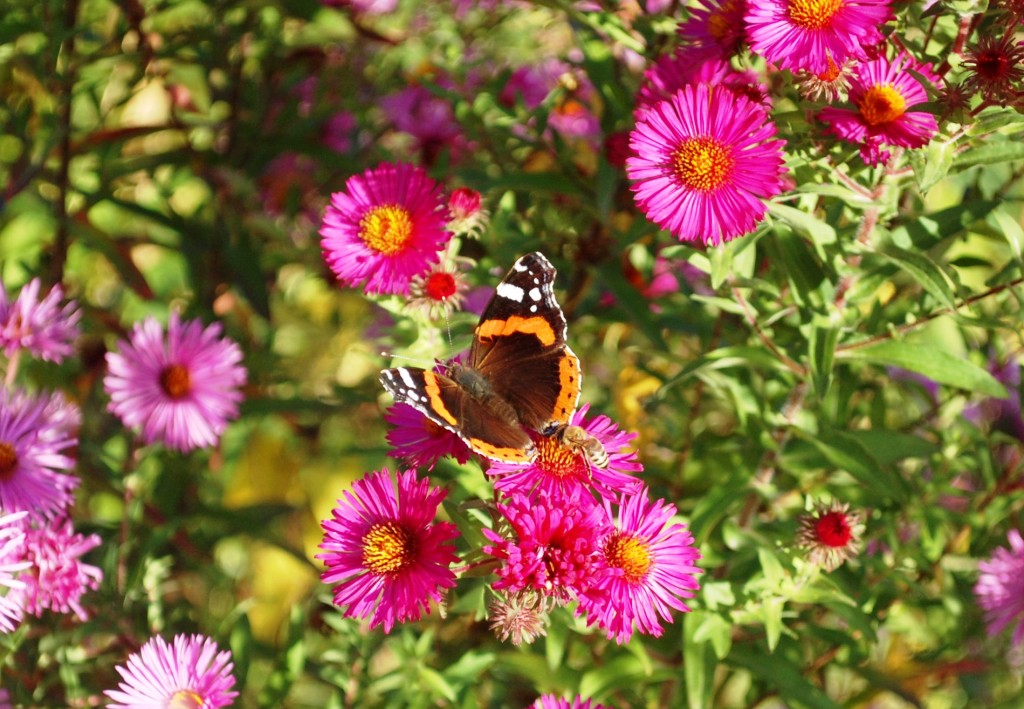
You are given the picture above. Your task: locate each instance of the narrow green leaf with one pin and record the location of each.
(779, 672)
(697, 670)
(822, 346)
(933, 363)
(435, 681)
(772, 609)
(1011, 230)
(989, 153)
(802, 267)
(933, 163)
(803, 223)
(923, 270)
(847, 453)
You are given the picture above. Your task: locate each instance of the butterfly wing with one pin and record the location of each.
(520, 347)
(446, 403)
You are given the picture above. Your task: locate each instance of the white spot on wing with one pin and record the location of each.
(406, 378)
(533, 308)
(519, 266)
(511, 292)
(535, 294)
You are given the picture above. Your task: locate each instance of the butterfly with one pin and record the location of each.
(520, 376)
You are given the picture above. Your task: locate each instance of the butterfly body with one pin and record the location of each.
(520, 376)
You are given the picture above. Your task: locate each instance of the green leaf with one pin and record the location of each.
(929, 230)
(1011, 229)
(822, 346)
(780, 673)
(923, 270)
(725, 358)
(890, 446)
(772, 611)
(435, 681)
(933, 163)
(802, 267)
(803, 223)
(989, 153)
(698, 666)
(935, 364)
(847, 453)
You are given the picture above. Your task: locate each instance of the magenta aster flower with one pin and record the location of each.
(12, 541)
(884, 92)
(1000, 588)
(646, 567)
(34, 472)
(550, 544)
(382, 547)
(56, 577)
(808, 34)
(41, 327)
(180, 387)
(675, 71)
(702, 166)
(419, 441)
(715, 28)
(192, 672)
(562, 467)
(387, 227)
(550, 701)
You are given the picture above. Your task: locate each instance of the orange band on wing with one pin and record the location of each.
(510, 455)
(433, 390)
(569, 377)
(532, 326)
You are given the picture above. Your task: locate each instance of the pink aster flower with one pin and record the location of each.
(808, 34)
(884, 93)
(571, 114)
(646, 567)
(550, 701)
(180, 387)
(34, 472)
(387, 227)
(675, 71)
(419, 441)
(549, 545)
(1000, 588)
(383, 548)
(562, 465)
(704, 161)
(12, 542)
(191, 672)
(41, 327)
(56, 577)
(715, 28)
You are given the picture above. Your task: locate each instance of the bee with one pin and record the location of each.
(579, 441)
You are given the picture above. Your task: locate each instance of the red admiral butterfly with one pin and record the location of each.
(521, 375)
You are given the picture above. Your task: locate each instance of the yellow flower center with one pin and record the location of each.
(626, 552)
(386, 229)
(176, 381)
(388, 548)
(881, 104)
(720, 22)
(813, 14)
(559, 461)
(8, 460)
(702, 164)
(185, 699)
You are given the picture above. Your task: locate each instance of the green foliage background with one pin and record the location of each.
(155, 155)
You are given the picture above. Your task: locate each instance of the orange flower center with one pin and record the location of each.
(388, 548)
(632, 555)
(831, 73)
(175, 381)
(702, 164)
(440, 286)
(185, 699)
(559, 461)
(720, 22)
(813, 14)
(386, 229)
(8, 460)
(882, 104)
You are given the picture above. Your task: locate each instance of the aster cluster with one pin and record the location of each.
(40, 553)
(705, 152)
(570, 525)
(179, 388)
